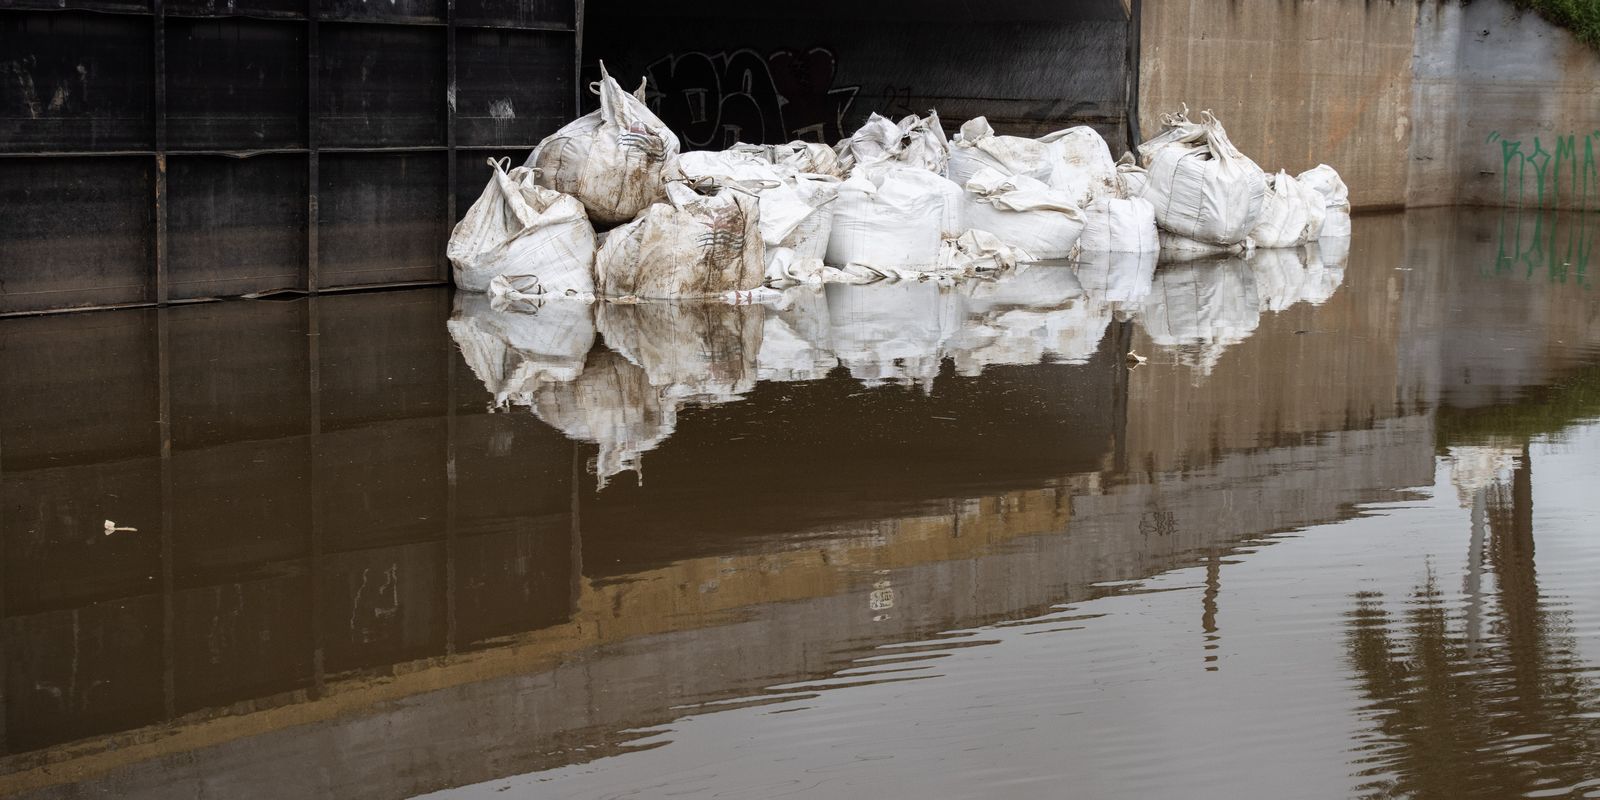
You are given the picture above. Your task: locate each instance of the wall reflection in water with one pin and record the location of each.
(347, 513)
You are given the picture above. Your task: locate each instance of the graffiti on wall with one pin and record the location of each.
(715, 99)
(1540, 173)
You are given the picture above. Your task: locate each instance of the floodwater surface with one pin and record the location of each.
(1315, 523)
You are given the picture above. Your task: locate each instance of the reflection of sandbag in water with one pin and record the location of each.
(703, 351)
(1324, 180)
(612, 404)
(513, 352)
(1181, 248)
(1284, 277)
(517, 227)
(1202, 187)
(1198, 309)
(1120, 279)
(695, 245)
(1038, 313)
(794, 338)
(611, 160)
(1325, 261)
(1291, 214)
(1023, 213)
(892, 332)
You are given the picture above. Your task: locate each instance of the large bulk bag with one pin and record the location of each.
(796, 216)
(1082, 165)
(1324, 180)
(697, 244)
(1202, 187)
(913, 141)
(519, 228)
(885, 218)
(1291, 214)
(952, 198)
(1023, 212)
(976, 147)
(611, 160)
(1075, 160)
(810, 157)
(1114, 225)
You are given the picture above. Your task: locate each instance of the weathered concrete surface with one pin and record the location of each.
(1296, 83)
(1506, 110)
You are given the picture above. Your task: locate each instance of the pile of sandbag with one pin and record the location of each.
(1211, 199)
(895, 200)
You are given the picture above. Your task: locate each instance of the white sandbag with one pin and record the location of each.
(978, 251)
(1114, 225)
(612, 159)
(517, 227)
(1202, 187)
(514, 352)
(976, 147)
(952, 220)
(795, 214)
(913, 141)
(1022, 212)
(1324, 180)
(1291, 214)
(694, 245)
(1081, 164)
(812, 157)
(885, 218)
(1075, 160)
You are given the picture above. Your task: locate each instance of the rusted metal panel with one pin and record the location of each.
(381, 86)
(381, 218)
(235, 84)
(538, 14)
(513, 87)
(401, 11)
(75, 82)
(76, 232)
(236, 226)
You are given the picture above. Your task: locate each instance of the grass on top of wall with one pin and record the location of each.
(1582, 17)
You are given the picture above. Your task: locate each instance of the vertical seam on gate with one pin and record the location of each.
(159, 57)
(313, 142)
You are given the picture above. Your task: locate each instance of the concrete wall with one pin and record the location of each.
(1505, 110)
(1417, 104)
(1296, 83)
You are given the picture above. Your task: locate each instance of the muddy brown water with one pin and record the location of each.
(1336, 537)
